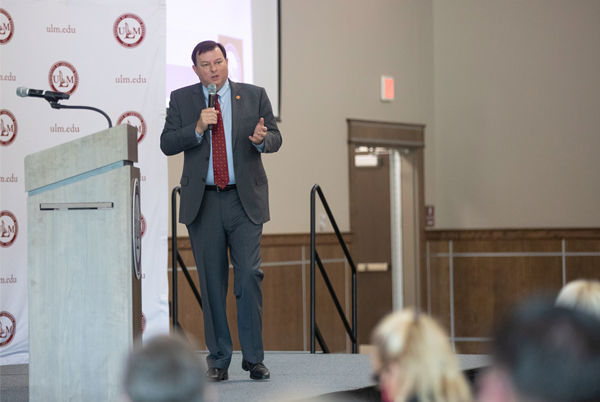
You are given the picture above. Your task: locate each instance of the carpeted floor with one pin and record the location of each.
(294, 377)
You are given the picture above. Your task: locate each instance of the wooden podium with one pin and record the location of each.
(84, 267)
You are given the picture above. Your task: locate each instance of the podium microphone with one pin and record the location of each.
(38, 93)
(54, 97)
(212, 95)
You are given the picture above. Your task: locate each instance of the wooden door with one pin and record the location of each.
(371, 219)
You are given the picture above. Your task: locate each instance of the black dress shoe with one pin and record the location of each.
(258, 371)
(216, 374)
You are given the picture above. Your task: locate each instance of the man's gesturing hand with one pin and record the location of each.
(260, 131)
(207, 116)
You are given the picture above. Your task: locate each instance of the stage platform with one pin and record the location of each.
(294, 377)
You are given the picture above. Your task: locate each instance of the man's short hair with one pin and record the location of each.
(207, 46)
(551, 353)
(164, 370)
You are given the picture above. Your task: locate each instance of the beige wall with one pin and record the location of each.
(517, 96)
(508, 90)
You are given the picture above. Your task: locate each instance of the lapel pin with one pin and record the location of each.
(238, 97)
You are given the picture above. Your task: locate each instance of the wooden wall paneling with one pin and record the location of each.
(285, 310)
(284, 254)
(488, 285)
(582, 245)
(513, 234)
(486, 288)
(438, 246)
(189, 312)
(473, 348)
(283, 303)
(374, 301)
(282, 308)
(283, 325)
(185, 251)
(439, 268)
(583, 267)
(507, 246)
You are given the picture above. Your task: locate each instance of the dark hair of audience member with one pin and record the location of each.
(551, 353)
(164, 370)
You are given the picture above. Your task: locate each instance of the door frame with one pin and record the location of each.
(408, 220)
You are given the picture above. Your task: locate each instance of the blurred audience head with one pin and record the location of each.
(414, 361)
(164, 370)
(583, 294)
(544, 353)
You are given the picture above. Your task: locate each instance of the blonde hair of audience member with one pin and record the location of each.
(414, 359)
(582, 294)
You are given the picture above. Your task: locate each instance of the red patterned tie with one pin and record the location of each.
(219, 150)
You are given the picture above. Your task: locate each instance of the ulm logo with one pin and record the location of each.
(63, 77)
(8, 328)
(7, 27)
(143, 224)
(9, 228)
(136, 120)
(129, 30)
(8, 128)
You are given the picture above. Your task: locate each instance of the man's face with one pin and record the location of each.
(211, 68)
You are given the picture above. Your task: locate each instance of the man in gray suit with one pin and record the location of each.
(224, 199)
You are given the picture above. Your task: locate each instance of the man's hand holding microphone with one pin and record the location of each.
(209, 117)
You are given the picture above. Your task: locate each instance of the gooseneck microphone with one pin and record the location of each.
(212, 95)
(38, 93)
(54, 97)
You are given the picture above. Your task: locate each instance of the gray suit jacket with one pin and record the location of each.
(248, 104)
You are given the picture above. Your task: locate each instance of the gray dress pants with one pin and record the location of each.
(222, 224)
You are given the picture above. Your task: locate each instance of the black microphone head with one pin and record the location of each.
(212, 89)
(22, 92)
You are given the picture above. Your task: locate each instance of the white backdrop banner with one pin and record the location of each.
(105, 54)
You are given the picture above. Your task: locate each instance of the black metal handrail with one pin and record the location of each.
(314, 258)
(176, 258)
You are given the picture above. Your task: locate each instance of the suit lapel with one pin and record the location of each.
(198, 98)
(236, 109)
(200, 103)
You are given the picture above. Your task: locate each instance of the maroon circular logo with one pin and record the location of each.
(9, 228)
(63, 77)
(143, 323)
(8, 128)
(7, 27)
(136, 120)
(143, 224)
(8, 328)
(129, 30)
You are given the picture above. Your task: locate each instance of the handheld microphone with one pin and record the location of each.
(212, 95)
(38, 93)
